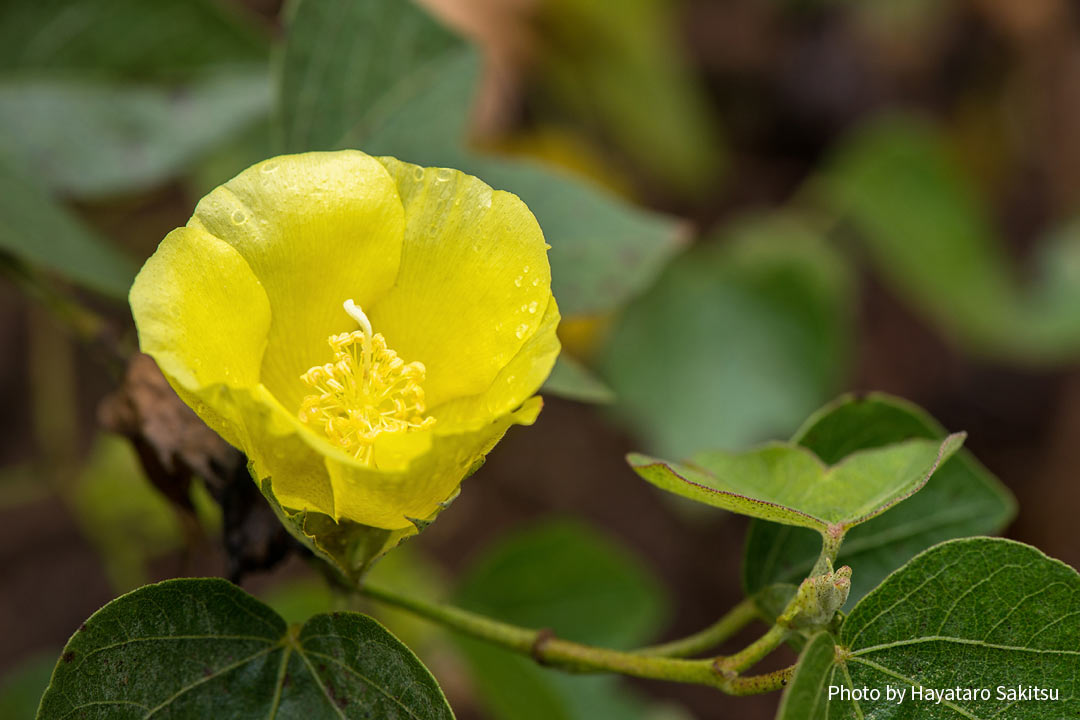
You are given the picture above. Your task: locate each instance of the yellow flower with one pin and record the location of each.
(365, 330)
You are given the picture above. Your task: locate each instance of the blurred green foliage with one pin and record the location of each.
(127, 519)
(569, 578)
(739, 338)
(931, 237)
(129, 39)
(20, 690)
(94, 138)
(44, 234)
(623, 72)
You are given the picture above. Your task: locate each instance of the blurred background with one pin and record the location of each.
(753, 206)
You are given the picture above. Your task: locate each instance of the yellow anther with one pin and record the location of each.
(365, 391)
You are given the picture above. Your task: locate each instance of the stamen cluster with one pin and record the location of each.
(365, 391)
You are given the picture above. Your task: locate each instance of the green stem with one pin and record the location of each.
(732, 622)
(547, 649)
(755, 651)
(831, 540)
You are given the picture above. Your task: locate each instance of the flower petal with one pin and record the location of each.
(391, 499)
(185, 302)
(521, 377)
(473, 284)
(316, 229)
(282, 449)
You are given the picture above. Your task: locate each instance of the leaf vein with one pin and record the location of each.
(318, 681)
(960, 641)
(94, 703)
(921, 585)
(217, 673)
(162, 638)
(971, 588)
(886, 671)
(368, 681)
(279, 686)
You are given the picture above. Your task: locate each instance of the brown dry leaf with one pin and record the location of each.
(172, 442)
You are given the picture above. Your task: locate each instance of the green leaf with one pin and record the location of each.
(200, 648)
(125, 38)
(807, 690)
(603, 250)
(567, 578)
(104, 137)
(790, 485)
(977, 613)
(570, 379)
(42, 234)
(737, 341)
(962, 499)
(934, 241)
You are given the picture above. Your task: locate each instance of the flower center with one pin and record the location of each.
(365, 391)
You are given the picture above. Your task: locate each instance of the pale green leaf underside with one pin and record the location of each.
(962, 500)
(202, 648)
(973, 613)
(788, 484)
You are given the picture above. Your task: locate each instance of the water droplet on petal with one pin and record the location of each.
(443, 174)
(532, 307)
(536, 281)
(521, 330)
(518, 281)
(239, 217)
(525, 269)
(269, 168)
(418, 173)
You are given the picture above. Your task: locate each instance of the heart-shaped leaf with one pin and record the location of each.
(972, 628)
(789, 484)
(202, 648)
(962, 500)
